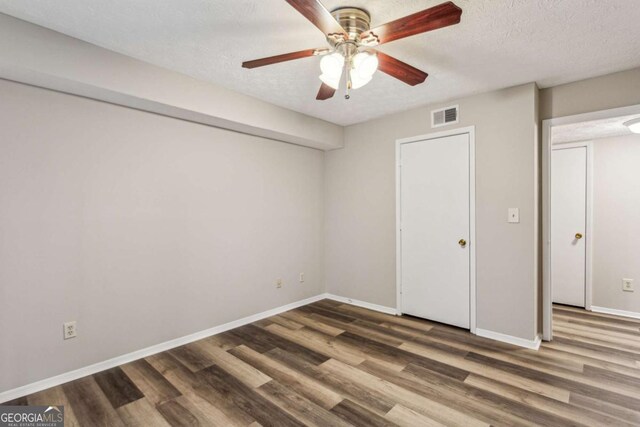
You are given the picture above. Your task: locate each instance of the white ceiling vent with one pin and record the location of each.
(444, 116)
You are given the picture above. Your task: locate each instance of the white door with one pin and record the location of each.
(435, 227)
(568, 225)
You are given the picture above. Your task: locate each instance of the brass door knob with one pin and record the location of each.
(578, 236)
(462, 243)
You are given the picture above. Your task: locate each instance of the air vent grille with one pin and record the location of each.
(444, 116)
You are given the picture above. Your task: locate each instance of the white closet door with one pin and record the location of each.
(435, 223)
(568, 225)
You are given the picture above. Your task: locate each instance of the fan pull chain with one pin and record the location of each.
(347, 76)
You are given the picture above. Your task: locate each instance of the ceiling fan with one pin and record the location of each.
(351, 55)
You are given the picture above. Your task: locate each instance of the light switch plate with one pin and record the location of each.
(514, 215)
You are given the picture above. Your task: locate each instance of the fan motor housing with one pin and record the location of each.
(355, 21)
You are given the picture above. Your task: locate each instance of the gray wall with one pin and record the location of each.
(600, 93)
(360, 202)
(616, 210)
(142, 228)
(42, 57)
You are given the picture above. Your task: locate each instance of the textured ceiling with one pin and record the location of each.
(499, 43)
(595, 129)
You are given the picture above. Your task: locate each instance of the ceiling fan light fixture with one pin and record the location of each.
(350, 37)
(633, 125)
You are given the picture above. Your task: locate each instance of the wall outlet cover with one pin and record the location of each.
(69, 330)
(627, 285)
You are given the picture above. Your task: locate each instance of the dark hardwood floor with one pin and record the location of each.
(331, 364)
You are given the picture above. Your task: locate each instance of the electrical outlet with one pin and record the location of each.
(627, 285)
(69, 330)
(301, 277)
(279, 283)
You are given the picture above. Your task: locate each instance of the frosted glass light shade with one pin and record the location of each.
(365, 64)
(357, 81)
(331, 65)
(332, 81)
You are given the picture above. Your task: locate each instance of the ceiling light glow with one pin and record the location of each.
(365, 64)
(361, 69)
(357, 82)
(633, 125)
(331, 81)
(332, 65)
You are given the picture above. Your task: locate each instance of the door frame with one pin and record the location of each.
(471, 131)
(588, 284)
(547, 125)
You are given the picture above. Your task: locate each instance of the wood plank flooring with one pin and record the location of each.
(332, 364)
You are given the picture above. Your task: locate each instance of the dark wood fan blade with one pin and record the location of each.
(315, 12)
(325, 92)
(400, 70)
(430, 19)
(279, 58)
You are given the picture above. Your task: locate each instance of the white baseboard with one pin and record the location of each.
(139, 354)
(616, 312)
(520, 342)
(363, 304)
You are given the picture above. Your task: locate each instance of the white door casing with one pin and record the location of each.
(435, 212)
(569, 225)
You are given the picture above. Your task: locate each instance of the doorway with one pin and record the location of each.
(588, 185)
(436, 227)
